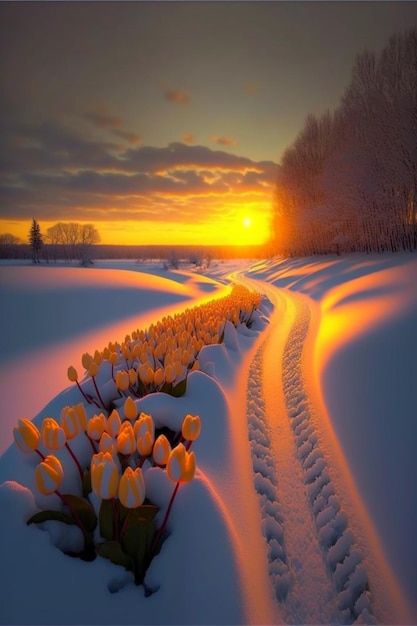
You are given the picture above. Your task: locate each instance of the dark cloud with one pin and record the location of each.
(57, 171)
(223, 141)
(178, 97)
(102, 118)
(188, 138)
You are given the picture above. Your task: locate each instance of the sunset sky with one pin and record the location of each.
(164, 122)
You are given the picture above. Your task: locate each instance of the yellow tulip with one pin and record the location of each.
(73, 420)
(181, 465)
(49, 475)
(133, 377)
(170, 373)
(122, 380)
(144, 424)
(98, 357)
(130, 409)
(132, 488)
(113, 423)
(126, 442)
(96, 426)
(106, 353)
(72, 374)
(107, 443)
(161, 450)
(26, 436)
(93, 369)
(191, 427)
(104, 476)
(113, 358)
(86, 360)
(145, 443)
(53, 436)
(159, 377)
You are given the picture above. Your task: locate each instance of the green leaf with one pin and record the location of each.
(86, 483)
(166, 388)
(146, 511)
(136, 542)
(45, 516)
(141, 388)
(112, 550)
(105, 519)
(179, 389)
(81, 509)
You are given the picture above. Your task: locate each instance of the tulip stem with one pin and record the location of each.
(116, 520)
(82, 392)
(98, 393)
(160, 532)
(125, 525)
(73, 513)
(75, 460)
(40, 454)
(93, 445)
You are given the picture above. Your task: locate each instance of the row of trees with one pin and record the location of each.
(349, 181)
(67, 241)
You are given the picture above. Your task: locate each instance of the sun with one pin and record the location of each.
(247, 222)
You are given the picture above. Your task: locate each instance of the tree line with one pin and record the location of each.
(349, 181)
(63, 241)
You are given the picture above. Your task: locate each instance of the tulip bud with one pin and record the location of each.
(181, 465)
(26, 436)
(86, 360)
(130, 409)
(113, 358)
(98, 357)
(161, 450)
(191, 427)
(113, 423)
(107, 443)
(133, 377)
(159, 377)
(145, 443)
(96, 426)
(49, 475)
(122, 380)
(144, 424)
(132, 488)
(72, 374)
(126, 442)
(104, 476)
(106, 353)
(170, 373)
(93, 369)
(70, 422)
(53, 436)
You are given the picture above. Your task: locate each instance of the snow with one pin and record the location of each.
(303, 507)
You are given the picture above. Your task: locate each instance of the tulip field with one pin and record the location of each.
(233, 447)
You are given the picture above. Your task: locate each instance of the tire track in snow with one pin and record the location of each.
(342, 557)
(265, 479)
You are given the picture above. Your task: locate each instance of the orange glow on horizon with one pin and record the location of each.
(230, 229)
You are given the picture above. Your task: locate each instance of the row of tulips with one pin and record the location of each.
(115, 474)
(160, 358)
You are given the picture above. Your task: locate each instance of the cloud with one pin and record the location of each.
(188, 138)
(251, 88)
(223, 141)
(58, 172)
(103, 119)
(178, 97)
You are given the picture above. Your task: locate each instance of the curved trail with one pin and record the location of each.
(315, 566)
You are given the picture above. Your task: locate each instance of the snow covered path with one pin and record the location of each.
(316, 566)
